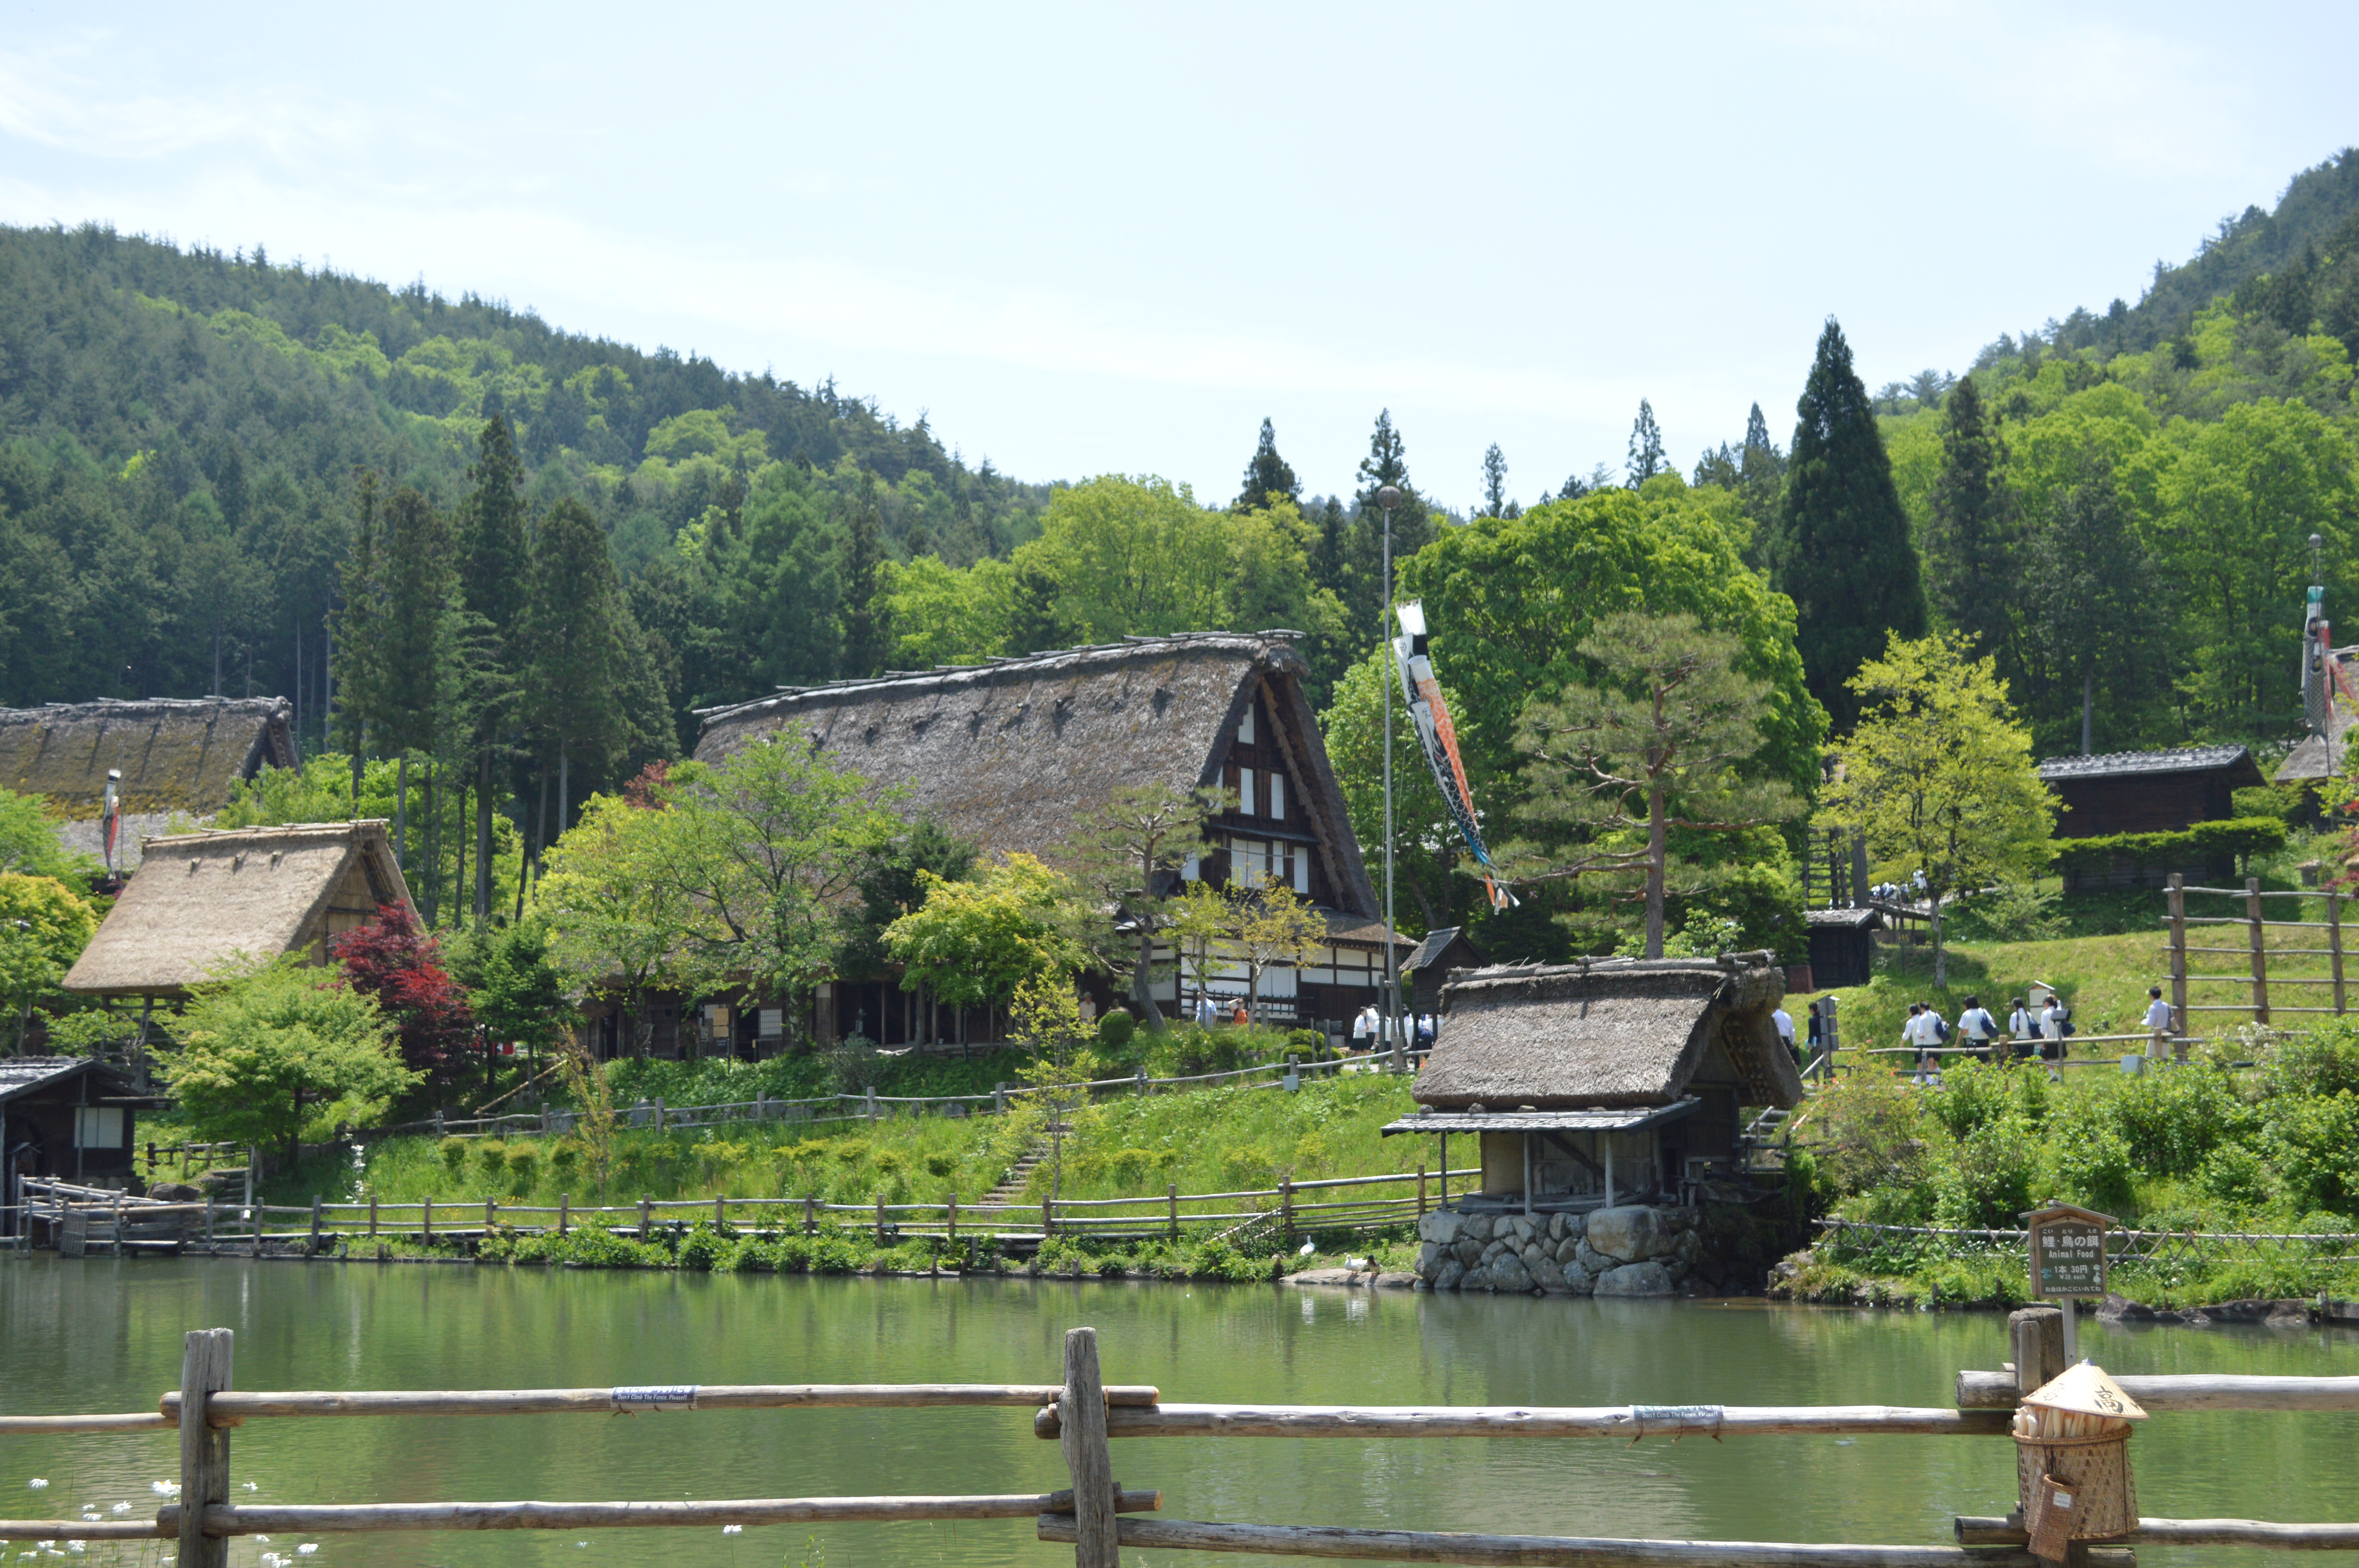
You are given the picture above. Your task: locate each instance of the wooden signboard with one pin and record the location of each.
(2068, 1251)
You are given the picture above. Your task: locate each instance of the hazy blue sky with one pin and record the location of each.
(1089, 239)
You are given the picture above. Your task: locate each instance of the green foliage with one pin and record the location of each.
(2013, 912)
(263, 1047)
(29, 840)
(972, 943)
(44, 926)
(1115, 1030)
(454, 1151)
(2238, 836)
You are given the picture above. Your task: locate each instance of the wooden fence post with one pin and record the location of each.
(1286, 1208)
(372, 1215)
(1082, 1420)
(1420, 1191)
(880, 1219)
(646, 1208)
(811, 1215)
(720, 1212)
(204, 1447)
(491, 1214)
(1171, 1202)
(954, 1217)
(315, 1225)
(2178, 953)
(208, 1223)
(2038, 1335)
(2260, 950)
(1048, 1218)
(2335, 943)
(564, 1207)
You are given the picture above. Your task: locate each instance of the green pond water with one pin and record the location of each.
(95, 1335)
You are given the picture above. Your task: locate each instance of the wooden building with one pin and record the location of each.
(1843, 946)
(1427, 969)
(70, 1117)
(1614, 1081)
(2147, 791)
(177, 759)
(202, 900)
(1011, 754)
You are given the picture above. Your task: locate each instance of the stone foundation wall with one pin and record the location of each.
(1630, 1250)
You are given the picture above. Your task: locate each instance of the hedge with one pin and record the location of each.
(2205, 840)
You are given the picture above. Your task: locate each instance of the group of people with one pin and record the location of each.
(2030, 1031)
(1372, 1030)
(1894, 893)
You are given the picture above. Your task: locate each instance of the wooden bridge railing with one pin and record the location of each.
(1095, 1515)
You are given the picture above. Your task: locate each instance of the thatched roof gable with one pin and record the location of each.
(1609, 1032)
(201, 899)
(175, 755)
(1011, 753)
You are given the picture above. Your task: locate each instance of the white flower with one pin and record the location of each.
(251, 1486)
(307, 1548)
(120, 1508)
(733, 1529)
(163, 1488)
(37, 1483)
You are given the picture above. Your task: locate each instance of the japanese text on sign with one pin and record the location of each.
(2068, 1259)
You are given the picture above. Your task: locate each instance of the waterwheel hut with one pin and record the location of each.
(1606, 1098)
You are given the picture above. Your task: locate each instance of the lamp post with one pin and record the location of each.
(1389, 498)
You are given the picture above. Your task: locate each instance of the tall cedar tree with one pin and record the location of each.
(867, 630)
(417, 567)
(1268, 476)
(359, 632)
(574, 620)
(1971, 569)
(491, 583)
(1494, 481)
(2098, 610)
(1386, 463)
(1843, 554)
(1646, 459)
(393, 959)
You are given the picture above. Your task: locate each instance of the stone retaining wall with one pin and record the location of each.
(1632, 1250)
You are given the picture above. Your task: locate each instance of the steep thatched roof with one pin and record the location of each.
(175, 755)
(1609, 1032)
(1010, 753)
(201, 899)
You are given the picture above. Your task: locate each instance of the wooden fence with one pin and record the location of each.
(2265, 963)
(93, 1217)
(1084, 1415)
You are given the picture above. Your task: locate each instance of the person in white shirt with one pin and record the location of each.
(2157, 1019)
(2023, 1026)
(1785, 1023)
(1979, 1029)
(1205, 1013)
(2052, 1026)
(1918, 1031)
(1363, 1027)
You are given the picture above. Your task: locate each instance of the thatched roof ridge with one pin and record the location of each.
(200, 900)
(1009, 754)
(1607, 1033)
(174, 754)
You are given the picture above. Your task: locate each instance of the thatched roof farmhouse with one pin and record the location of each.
(1591, 1081)
(1012, 752)
(178, 757)
(202, 898)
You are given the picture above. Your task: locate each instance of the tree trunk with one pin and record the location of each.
(1657, 851)
(1142, 981)
(564, 784)
(1940, 954)
(483, 839)
(401, 812)
(2088, 703)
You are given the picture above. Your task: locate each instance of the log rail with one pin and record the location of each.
(1099, 1516)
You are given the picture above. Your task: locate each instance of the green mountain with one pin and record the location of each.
(180, 433)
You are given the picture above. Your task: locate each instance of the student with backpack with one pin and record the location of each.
(1979, 1029)
(2023, 1028)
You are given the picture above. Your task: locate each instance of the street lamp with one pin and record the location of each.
(1389, 498)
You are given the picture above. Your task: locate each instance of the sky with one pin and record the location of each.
(1089, 239)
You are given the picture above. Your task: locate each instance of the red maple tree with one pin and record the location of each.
(393, 960)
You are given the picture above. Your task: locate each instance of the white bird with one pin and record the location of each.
(1307, 1250)
(38, 1482)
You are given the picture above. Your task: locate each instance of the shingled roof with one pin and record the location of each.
(174, 754)
(200, 900)
(1610, 1033)
(2236, 760)
(1010, 753)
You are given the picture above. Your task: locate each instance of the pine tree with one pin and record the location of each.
(1844, 553)
(1329, 554)
(1971, 573)
(1267, 477)
(418, 571)
(1386, 464)
(573, 617)
(2098, 611)
(867, 632)
(492, 572)
(1756, 432)
(1494, 481)
(353, 659)
(1647, 458)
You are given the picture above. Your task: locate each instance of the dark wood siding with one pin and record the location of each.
(2141, 803)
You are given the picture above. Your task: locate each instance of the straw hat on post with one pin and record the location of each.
(2072, 1469)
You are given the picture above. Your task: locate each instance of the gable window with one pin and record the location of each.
(1246, 791)
(1277, 795)
(1246, 725)
(1301, 859)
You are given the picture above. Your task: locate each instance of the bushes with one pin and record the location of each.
(2239, 835)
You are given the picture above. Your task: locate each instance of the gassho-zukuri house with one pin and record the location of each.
(1606, 1098)
(1010, 754)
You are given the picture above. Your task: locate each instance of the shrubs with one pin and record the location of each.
(454, 1154)
(1114, 1031)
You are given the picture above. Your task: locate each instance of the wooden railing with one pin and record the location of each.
(2260, 957)
(119, 1222)
(1098, 1518)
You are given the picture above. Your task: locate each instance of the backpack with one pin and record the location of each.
(2065, 1022)
(1941, 1028)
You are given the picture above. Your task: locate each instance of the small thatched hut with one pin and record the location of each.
(72, 1117)
(1011, 754)
(1610, 1081)
(202, 898)
(180, 758)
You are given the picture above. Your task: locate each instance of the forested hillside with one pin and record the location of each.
(181, 433)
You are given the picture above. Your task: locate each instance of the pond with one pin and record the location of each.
(97, 1335)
